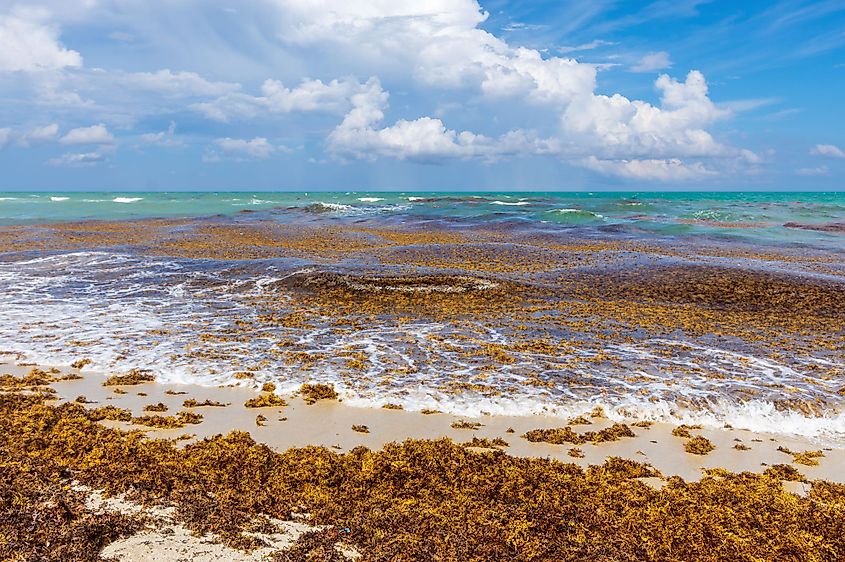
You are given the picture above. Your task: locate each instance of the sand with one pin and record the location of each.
(329, 423)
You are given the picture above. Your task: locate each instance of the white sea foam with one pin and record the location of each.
(112, 308)
(370, 199)
(511, 204)
(127, 199)
(59, 198)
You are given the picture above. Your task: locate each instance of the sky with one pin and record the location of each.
(421, 95)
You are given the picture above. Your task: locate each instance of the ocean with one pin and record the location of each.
(710, 308)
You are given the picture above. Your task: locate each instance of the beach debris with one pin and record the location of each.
(561, 435)
(683, 431)
(361, 428)
(132, 378)
(82, 399)
(428, 412)
(171, 392)
(312, 393)
(464, 424)
(193, 403)
(580, 420)
(160, 407)
(80, 363)
(575, 453)
(699, 445)
(807, 458)
(266, 401)
(268, 387)
(392, 406)
(260, 420)
(742, 447)
(181, 419)
(110, 413)
(484, 443)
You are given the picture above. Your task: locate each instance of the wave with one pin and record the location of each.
(59, 198)
(370, 199)
(509, 204)
(323, 207)
(127, 199)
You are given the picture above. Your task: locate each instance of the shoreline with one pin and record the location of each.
(328, 423)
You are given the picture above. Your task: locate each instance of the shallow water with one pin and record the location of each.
(202, 319)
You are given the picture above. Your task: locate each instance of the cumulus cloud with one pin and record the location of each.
(653, 61)
(276, 98)
(424, 139)
(829, 150)
(258, 148)
(29, 44)
(436, 49)
(96, 134)
(46, 133)
(77, 160)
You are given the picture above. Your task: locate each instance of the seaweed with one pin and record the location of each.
(132, 378)
(312, 393)
(699, 445)
(80, 363)
(416, 500)
(266, 401)
(464, 424)
(360, 428)
(561, 435)
(180, 420)
(160, 407)
(260, 420)
(192, 403)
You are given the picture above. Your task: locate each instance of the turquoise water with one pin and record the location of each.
(754, 215)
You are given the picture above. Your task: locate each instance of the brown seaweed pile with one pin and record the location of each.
(313, 393)
(561, 435)
(418, 500)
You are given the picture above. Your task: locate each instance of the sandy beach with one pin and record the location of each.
(290, 384)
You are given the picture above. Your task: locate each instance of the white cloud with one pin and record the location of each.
(28, 44)
(173, 84)
(310, 95)
(77, 160)
(424, 139)
(829, 150)
(653, 61)
(96, 134)
(163, 138)
(258, 148)
(649, 169)
(5, 135)
(817, 171)
(617, 126)
(585, 46)
(39, 134)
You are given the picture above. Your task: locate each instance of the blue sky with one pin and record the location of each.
(421, 94)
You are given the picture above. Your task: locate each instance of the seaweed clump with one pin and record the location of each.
(132, 378)
(266, 401)
(169, 422)
(699, 445)
(192, 403)
(464, 424)
(561, 435)
(160, 407)
(313, 393)
(360, 428)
